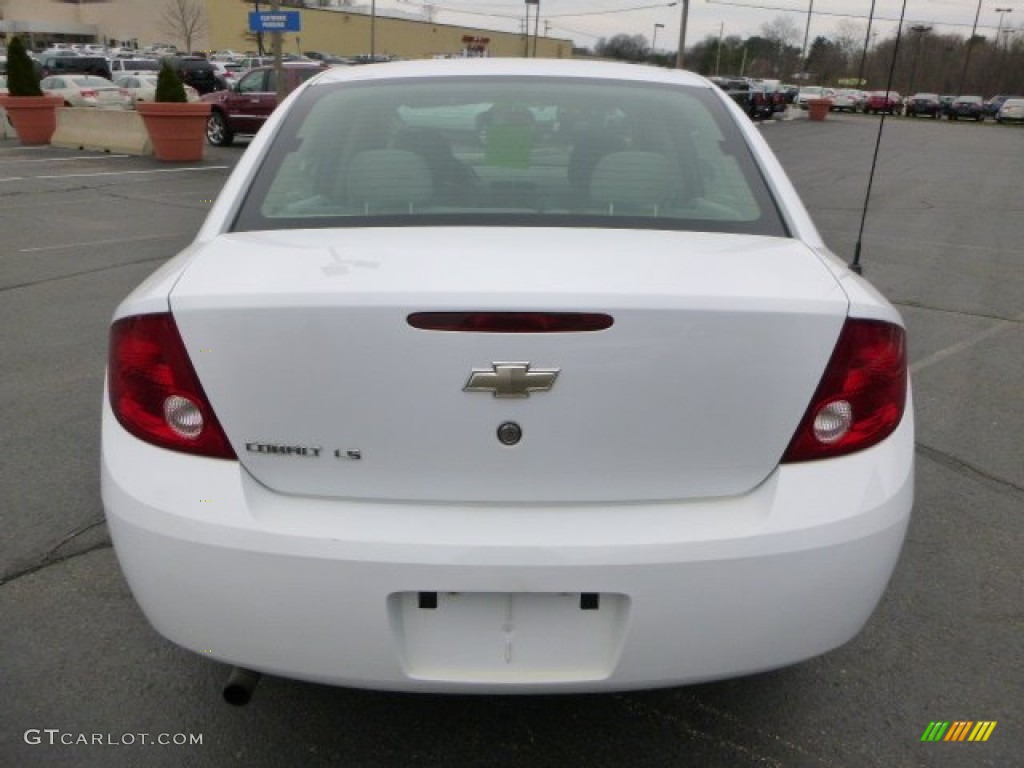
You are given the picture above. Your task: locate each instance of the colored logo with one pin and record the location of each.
(959, 730)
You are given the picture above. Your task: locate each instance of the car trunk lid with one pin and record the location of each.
(303, 344)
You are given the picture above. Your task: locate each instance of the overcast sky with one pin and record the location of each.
(586, 21)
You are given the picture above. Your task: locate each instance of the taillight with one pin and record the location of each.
(88, 93)
(860, 399)
(154, 391)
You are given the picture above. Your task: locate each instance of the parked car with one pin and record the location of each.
(757, 98)
(769, 94)
(923, 104)
(227, 73)
(62, 64)
(992, 105)
(1012, 111)
(968, 108)
(244, 107)
(809, 92)
(251, 62)
(542, 415)
(195, 71)
(143, 88)
(847, 100)
(85, 91)
(882, 101)
(123, 66)
(737, 88)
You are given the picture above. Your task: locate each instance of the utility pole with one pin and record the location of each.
(536, 28)
(526, 25)
(867, 41)
(970, 46)
(681, 54)
(807, 32)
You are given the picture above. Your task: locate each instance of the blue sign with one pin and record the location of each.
(270, 21)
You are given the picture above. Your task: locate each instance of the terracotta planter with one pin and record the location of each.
(818, 108)
(33, 117)
(177, 131)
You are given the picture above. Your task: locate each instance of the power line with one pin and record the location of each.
(841, 15)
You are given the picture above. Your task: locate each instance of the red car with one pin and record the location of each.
(883, 101)
(246, 105)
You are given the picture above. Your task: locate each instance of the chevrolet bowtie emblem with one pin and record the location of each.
(511, 379)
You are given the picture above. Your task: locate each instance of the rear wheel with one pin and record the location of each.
(217, 131)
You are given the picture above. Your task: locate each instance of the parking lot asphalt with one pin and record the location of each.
(941, 240)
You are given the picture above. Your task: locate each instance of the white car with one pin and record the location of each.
(143, 88)
(583, 409)
(1012, 111)
(85, 91)
(811, 92)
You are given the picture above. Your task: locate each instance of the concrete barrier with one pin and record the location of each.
(105, 130)
(6, 129)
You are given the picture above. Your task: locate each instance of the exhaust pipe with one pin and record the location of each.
(241, 683)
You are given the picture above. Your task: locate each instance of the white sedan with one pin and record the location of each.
(588, 408)
(85, 91)
(143, 88)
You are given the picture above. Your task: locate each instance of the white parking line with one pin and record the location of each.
(942, 354)
(116, 173)
(139, 239)
(59, 159)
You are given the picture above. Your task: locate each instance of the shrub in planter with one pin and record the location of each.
(21, 72)
(177, 127)
(169, 88)
(33, 114)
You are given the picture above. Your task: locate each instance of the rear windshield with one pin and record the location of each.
(510, 152)
(140, 64)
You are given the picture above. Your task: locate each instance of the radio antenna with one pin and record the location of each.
(855, 265)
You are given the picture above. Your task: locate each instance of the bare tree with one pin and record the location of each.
(782, 30)
(849, 36)
(784, 34)
(184, 19)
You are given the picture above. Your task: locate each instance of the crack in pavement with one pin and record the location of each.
(958, 465)
(947, 460)
(51, 556)
(1019, 319)
(83, 272)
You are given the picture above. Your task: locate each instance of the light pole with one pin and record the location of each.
(1002, 13)
(718, 54)
(921, 29)
(654, 38)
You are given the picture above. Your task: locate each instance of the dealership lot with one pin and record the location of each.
(942, 242)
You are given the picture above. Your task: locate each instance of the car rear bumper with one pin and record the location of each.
(515, 599)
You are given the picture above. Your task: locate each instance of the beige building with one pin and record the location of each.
(223, 24)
